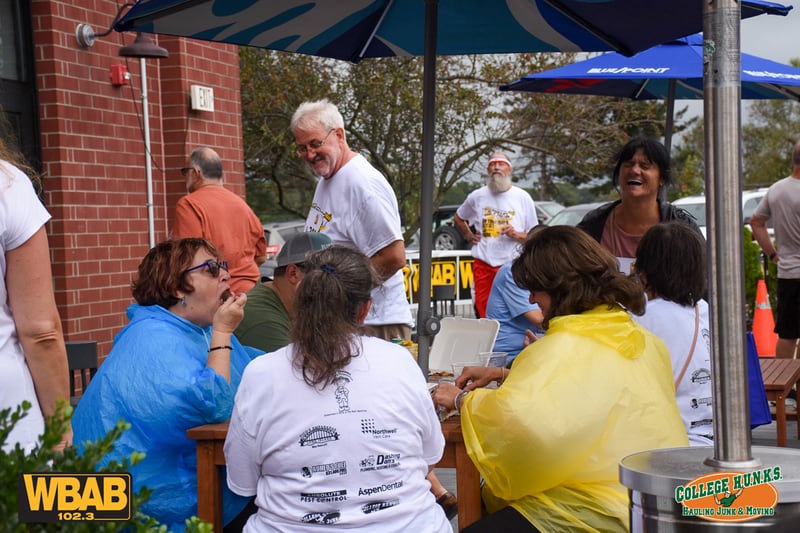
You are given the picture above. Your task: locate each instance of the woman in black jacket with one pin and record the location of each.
(642, 169)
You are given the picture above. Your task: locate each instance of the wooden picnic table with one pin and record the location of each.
(210, 457)
(780, 375)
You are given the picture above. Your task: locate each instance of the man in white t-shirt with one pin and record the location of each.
(504, 214)
(355, 206)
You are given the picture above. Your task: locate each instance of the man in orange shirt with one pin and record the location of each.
(218, 215)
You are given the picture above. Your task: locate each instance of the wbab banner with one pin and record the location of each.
(50, 497)
(447, 268)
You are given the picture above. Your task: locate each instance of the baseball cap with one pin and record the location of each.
(299, 245)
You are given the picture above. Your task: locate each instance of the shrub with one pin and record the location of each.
(754, 271)
(43, 458)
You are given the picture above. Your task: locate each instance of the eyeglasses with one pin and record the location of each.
(213, 267)
(302, 149)
(185, 171)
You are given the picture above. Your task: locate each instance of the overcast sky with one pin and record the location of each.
(767, 36)
(775, 38)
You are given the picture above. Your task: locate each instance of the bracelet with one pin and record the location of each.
(772, 256)
(220, 348)
(459, 398)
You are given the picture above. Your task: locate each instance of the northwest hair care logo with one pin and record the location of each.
(730, 496)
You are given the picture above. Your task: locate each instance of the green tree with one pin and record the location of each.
(554, 138)
(768, 139)
(273, 84)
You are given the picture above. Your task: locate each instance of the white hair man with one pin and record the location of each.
(503, 214)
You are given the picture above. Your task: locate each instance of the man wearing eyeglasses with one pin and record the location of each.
(355, 206)
(218, 215)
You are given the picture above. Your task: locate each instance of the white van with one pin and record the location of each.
(696, 206)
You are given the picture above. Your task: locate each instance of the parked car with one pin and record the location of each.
(445, 234)
(277, 233)
(572, 215)
(696, 206)
(447, 237)
(546, 209)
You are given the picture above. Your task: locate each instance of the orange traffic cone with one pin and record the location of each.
(764, 323)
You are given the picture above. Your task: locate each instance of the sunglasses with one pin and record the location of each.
(213, 267)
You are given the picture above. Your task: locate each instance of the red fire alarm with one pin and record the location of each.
(119, 75)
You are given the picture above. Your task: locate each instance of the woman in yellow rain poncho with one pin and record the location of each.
(595, 388)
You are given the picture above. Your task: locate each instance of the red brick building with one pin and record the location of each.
(89, 136)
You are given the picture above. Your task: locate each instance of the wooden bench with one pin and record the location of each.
(780, 375)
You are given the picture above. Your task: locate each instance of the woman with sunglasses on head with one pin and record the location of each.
(176, 365)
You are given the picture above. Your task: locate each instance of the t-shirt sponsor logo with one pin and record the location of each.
(377, 489)
(368, 428)
(702, 375)
(318, 436)
(371, 507)
(380, 462)
(328, 517)
(324, 497)
(329, 469)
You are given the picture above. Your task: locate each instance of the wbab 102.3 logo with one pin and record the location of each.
(730, 496)
(49, 497)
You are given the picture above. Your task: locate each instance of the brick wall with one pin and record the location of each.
(93, 153)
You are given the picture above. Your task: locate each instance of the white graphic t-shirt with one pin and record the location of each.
(358, 208)
(353, 455)
(489, 211)
(674, 324)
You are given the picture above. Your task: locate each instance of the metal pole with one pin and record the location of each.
(147, 163)
(722, 108)
(427, 326)
(668, 127)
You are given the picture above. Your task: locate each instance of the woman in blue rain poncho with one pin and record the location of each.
(596, 388)
(176, 365)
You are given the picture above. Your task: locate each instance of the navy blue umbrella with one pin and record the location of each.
(668, 71)
(357, 29)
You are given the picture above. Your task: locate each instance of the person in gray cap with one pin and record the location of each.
(269, 309)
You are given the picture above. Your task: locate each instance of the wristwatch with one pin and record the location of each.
(773, 255)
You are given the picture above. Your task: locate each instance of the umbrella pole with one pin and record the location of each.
(722, 90)
(668, 127)
(670, 123)
(427, 326)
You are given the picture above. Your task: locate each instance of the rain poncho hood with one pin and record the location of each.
(596, 388)
(156, 378)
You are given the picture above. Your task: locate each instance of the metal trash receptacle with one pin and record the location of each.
(652, 477)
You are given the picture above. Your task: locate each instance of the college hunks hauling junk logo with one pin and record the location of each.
(730, 496)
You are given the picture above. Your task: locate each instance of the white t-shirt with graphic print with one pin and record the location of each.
(488, 212)
(353, 455)
(674, 324)
(357, 208)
